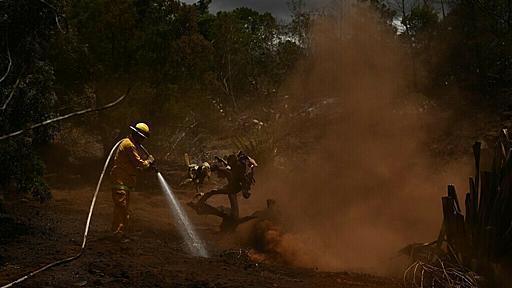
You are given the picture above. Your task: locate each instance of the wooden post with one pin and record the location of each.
(469, 217)
(452, 193)
(474, 201)
(476, 152)
(453, 223)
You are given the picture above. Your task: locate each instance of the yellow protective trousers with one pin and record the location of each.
(121, 199)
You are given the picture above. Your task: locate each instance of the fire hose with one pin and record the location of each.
(84, 241)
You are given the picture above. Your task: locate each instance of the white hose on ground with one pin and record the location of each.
(91, 209)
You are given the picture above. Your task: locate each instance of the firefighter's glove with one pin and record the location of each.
(152, 165)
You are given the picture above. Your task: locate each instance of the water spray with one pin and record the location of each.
(194, 243)
(187, 231)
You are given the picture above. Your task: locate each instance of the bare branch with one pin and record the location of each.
(10, 59)
(58, 23)
(63, 117)
(56, 16)
(180, 136)
(11, 94)
(48, 4)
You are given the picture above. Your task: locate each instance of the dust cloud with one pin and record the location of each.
(370, 185)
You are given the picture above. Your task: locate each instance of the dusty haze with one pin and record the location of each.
(370, 186)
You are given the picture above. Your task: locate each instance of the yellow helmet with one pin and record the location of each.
(142, 129)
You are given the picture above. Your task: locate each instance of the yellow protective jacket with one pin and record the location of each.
(126, 163)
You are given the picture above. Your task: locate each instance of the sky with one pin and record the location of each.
(278, 8)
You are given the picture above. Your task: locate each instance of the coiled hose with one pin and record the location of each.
(91, 209)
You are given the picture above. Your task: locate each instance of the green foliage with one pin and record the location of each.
(183, 59)
(30, 86)
(300, 25)
(23, 170)
(478, 38)
(246, 47)
(180, 56)
(421, 19)
(468, 48)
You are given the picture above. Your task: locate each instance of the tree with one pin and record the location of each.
(475, 39)
(248, 53)
(26, 91)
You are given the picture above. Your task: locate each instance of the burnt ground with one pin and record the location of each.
(36, 234)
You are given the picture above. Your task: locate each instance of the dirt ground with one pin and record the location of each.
(36, 234)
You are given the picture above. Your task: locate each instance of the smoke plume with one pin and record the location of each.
(369, 185)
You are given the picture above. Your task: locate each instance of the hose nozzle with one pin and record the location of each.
(153, 165)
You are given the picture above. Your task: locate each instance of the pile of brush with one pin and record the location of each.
(433, 266)
(479, 241)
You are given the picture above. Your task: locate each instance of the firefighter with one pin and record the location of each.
(127, 162)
